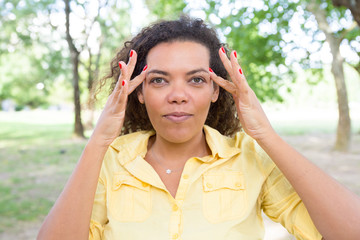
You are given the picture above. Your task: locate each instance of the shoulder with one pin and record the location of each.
(124, 149)
(242, 149)
(130, 139)
(253, 152)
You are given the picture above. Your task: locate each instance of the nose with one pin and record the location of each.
(178, 93)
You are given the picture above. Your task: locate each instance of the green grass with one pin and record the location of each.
(36, 159)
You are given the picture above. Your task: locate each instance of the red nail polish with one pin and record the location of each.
(240, 70)
(120, 65)
(235, 54)
(123, 83)
(145, 68)
(223, 49)
(211, 70)
(131, 53)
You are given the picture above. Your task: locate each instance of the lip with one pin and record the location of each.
(177, 117)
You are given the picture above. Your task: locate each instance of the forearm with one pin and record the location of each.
(334, 210)
(70, 216)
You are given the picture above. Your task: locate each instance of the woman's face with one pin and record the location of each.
(177, 91)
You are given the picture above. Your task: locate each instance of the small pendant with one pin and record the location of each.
(168, 171)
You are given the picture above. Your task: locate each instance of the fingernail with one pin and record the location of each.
(211, 70)
(123, 83)
(240, 70)
(120, 65)
(131, 53)
(145, 68)
(235, 54)
(223, 49)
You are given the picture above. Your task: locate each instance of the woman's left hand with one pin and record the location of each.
(252, 116)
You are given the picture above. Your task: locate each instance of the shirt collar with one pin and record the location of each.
(220, 145)
(135, 144)
(132, 145)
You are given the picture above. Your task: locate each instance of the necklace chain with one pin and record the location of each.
(167, 170)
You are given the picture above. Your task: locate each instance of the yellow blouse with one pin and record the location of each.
(219, 196)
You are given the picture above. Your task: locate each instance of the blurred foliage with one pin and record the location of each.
(33, 50)
(343, 28)
(34, 57)
(166, 9)
(260, 33)
(256, 33)
(30, 58)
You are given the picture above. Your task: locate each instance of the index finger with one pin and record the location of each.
(137, 80)
(227, 85)
(132, 63)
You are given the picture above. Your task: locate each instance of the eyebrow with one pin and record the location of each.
(167, 74)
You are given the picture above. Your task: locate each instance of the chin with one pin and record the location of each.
(178, 133)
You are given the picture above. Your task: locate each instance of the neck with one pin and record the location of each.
(175, 152)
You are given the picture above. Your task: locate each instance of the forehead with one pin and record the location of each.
(178, 52)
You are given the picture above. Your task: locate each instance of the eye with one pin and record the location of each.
(197, 80)
(157, 80)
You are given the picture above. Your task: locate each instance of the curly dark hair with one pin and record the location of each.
(222, 113)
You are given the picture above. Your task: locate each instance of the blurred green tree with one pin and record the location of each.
(260, 32)
(74, 53)
(256, 32)
(354, 7)
(166, 9)
(326, 15)
(36, 32)
(99, 29)
(26, 72)
(110, 26)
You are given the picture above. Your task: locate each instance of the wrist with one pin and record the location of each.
(98, 143)
(267, 139)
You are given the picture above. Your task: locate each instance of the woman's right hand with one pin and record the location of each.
(112, 117)
(71, 214)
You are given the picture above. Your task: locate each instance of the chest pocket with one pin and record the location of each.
(223, 196)
(130, 199)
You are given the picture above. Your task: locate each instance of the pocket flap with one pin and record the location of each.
(225, 179)
(126, 179)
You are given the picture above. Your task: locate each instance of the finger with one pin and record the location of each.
(239, 77)
(132, 63)
(134, 83)
(122, 76)
(118, 82)
(228, 86)
(226, 62)
(121, 97)
(115, 95)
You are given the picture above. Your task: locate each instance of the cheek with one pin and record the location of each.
(203, 101)
(153, 101)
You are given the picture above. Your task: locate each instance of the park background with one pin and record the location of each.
(301, 57)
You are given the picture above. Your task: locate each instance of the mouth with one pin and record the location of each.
(178, 117)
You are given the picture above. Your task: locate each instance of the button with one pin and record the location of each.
(145, 184)
(238, 184)
(186, 176)
(209, 185)
(175, 236)
(175, 208)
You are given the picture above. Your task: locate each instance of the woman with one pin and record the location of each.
(174, 175)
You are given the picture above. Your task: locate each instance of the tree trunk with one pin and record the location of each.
(78, 127)
(90, 101)
(344, 124)
(74, 53)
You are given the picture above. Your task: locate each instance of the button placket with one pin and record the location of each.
(175, 208)
(176, 220)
